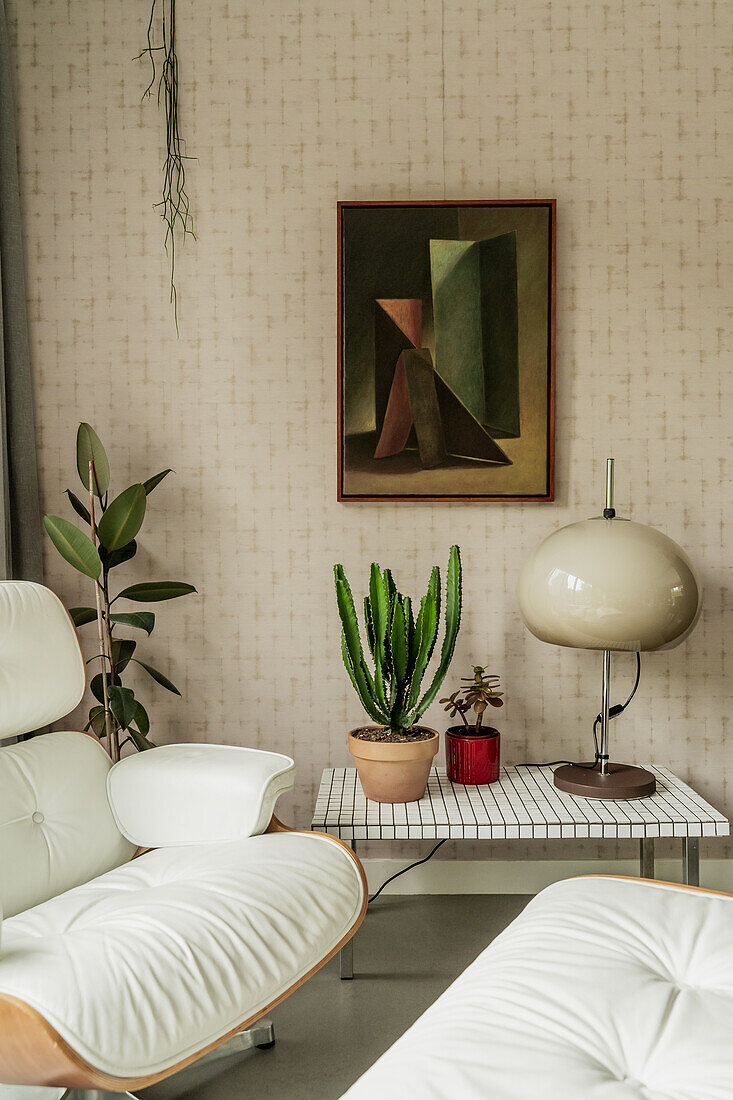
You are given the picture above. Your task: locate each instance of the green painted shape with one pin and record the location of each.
(456, 283)
(424, 407)
(500, 334)
(475, 309)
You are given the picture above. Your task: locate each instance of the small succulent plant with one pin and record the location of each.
(480, 692)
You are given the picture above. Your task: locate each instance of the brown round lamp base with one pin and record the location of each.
(621, 781)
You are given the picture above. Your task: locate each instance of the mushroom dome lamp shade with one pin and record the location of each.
(609, 584)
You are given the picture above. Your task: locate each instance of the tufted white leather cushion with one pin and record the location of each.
(56, 828)
(42, 674)
(603, 989)
(196, 794)
(154, 960)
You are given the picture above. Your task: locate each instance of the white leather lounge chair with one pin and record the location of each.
(117, 969)
(602, 989)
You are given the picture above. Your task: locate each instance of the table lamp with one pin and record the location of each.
(610, 584)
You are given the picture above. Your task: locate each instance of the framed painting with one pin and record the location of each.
(446, 373)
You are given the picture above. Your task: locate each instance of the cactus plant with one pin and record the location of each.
(400, 645)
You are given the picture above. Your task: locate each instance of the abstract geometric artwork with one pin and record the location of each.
(446, 347)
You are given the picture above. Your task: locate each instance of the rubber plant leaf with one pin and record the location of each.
(151, 483)
(78, 507)
(97, 721)
(155, 591)
(80, 616)
(89, 448)
(73, 545)
(122, 651)
(123, 518)
(139, 740)
(141, 720)
(141, 620)
(122, 704)
(158, 677)
(112, 558)
(95, 686)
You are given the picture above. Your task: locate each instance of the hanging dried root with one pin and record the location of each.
(174, 206)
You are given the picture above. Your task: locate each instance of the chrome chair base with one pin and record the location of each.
(260, 1035)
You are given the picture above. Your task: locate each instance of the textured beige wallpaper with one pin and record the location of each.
(621, 111)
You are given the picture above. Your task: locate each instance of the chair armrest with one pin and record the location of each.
(196, 794)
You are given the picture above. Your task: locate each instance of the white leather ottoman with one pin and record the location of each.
(603, 989)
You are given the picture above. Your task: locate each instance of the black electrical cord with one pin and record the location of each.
(619, 708)
(406, 869)
(614, 712)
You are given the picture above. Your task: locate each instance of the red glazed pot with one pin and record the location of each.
(472, 758)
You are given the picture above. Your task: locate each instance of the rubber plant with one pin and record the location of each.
(114, 524)
(400, 646)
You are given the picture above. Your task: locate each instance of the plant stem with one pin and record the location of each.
(112, 743)
(112, 669)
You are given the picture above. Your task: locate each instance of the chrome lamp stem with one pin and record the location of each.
(605, 703)
(608, 513)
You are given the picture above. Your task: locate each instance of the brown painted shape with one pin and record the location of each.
(389, 342)
(33, 1053)
(398, 418)
(406, 314)
(413, 401)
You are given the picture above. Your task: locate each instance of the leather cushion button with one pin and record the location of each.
(37, 817)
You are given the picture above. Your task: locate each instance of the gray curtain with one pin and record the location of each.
(21, 543)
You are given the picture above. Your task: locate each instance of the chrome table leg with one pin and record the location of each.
(95, 1094)
(646, 857)
(691, 861)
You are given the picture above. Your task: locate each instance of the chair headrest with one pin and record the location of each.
(42, 673)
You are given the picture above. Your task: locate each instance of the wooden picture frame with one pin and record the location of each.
(446, 345)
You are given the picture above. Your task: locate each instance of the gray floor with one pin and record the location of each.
(409, 949)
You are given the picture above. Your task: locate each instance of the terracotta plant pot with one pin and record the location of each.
(472, 758)
(393, 771)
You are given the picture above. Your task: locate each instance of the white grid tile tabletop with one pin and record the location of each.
(522, 804)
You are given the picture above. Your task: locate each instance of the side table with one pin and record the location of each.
(523, 804)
